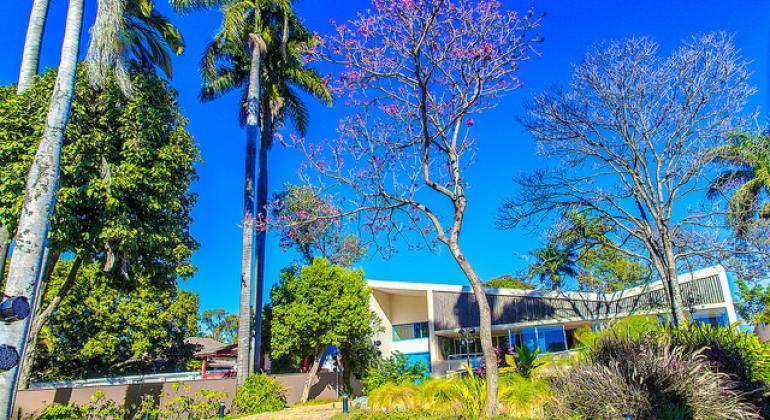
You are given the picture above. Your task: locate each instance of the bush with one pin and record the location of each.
(259, 394)
(395, 370)
(647, 377)
(461, 397)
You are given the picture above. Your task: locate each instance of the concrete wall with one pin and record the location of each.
(379, 302)
(408, 309)
(29, 402)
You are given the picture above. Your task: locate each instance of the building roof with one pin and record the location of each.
(205, 346)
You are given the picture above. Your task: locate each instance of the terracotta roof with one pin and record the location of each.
(205, 346)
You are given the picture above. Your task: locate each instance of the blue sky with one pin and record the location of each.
(505, 150)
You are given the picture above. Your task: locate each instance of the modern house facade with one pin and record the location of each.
(438, 323)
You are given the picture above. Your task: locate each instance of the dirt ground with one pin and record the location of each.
(312, 412)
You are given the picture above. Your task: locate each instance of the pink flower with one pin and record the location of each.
(469, 122)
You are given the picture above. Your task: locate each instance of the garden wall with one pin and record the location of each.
(31, 401)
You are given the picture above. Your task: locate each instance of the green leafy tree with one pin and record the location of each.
(507, 281)
(316, 306)
(107, 325)
(124, 200)
(219, 325)
(260, 51)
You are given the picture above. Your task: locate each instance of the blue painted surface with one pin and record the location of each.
(419, 357)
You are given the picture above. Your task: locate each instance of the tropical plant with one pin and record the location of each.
(182, 403)
(553, 265)
(646, 377)
(260, 50)
(396, 369)
(745, 164)
(526, 361)
(259, 394)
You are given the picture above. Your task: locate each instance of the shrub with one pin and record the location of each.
(396, 370)
(647, 377)
(259, 394)
(202, 404)
(523, 397)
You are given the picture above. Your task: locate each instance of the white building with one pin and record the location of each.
(424, 321)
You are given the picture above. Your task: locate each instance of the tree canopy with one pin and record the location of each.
(127, 166)
(105, 326)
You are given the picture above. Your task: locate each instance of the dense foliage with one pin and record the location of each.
(396, 369)
(507, 281)
(219, 325)
(127, 166)
(107, 326)
(259, 394)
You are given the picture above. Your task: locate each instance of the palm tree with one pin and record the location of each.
(30, 58)
(747, 175)
(553, 265)
(268, 68)
(40, 195)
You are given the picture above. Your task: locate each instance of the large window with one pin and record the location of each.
(410, 331)
(715, 318)
(551, 338)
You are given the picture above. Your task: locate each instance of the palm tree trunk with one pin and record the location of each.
(312, 373)
(247, 259)
(40, 196)
(39, 321)
(30, 59)
(267, 137)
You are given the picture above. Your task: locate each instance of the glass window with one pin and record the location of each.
(529, 338)
(410, 331)
(551, 338)
(714, 318)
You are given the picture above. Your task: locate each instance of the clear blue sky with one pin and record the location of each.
(504, 148)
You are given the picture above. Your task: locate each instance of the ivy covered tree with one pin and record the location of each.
(124, 200)
(107, 325)
(315, 306)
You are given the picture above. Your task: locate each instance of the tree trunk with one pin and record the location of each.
(674, 291)
(312, 373)
(5, 243)
(41, 318)
(485, 328)
(267, 137)
(40, 196)
(247, 260)
(30, 59)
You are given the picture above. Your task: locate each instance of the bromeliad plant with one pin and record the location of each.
(525, 363)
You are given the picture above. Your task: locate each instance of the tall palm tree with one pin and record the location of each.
(746, 176)
(30, 59)
(40, 195)
(553, 265)
(144, 30)
(268, 69)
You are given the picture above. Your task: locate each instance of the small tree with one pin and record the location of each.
(415, 72)
(316, 306)
(633, 130)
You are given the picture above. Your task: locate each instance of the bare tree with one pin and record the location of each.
(414, 74)
(632, 133)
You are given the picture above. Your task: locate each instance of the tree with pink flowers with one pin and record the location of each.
(414, 73)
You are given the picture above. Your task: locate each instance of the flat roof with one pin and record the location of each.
(401, 287)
